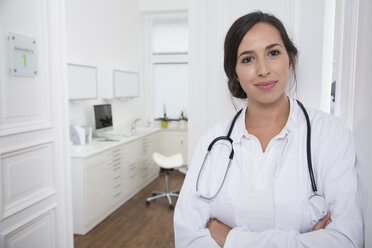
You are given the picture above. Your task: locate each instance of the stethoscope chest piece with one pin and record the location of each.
(317, 206)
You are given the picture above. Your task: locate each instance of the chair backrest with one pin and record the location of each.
(168, 162)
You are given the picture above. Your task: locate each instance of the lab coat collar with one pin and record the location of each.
(240, 131)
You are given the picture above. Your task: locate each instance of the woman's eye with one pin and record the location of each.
(274, 53)
(247, 60)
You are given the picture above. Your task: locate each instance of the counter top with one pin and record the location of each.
(102, 144)
(174, 129)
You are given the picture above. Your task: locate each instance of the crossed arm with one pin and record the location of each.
(219, 230)
(193, 228)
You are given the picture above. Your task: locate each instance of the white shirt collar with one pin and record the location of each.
(240, 130)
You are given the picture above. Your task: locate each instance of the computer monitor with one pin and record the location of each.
(102, 118)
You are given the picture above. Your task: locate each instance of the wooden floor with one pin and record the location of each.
(134, 224)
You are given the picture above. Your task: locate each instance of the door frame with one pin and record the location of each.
(346, 66)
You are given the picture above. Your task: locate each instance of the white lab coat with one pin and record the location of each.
(287, 217)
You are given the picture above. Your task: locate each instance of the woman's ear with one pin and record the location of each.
(290, 65)
(292, 61)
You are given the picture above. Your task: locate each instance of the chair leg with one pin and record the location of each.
(173, 194)
(157, 193)
(175, 191)
(167, 181)
(168, 194)
(156, 197)
(169, 199)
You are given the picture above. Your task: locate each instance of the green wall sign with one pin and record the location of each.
(22, 55)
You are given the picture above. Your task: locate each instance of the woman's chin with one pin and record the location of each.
(268, 99)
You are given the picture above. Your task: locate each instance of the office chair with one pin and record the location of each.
(166, 164)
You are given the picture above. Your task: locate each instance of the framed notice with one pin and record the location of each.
(22, 55)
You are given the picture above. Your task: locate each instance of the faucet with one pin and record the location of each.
(133, 126)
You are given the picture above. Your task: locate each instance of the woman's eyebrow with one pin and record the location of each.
(246, 52)
(252, 51)
(272, 45)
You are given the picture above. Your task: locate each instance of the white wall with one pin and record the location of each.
(362, 117)
(209, 20)
(162, 5)
(109, 35)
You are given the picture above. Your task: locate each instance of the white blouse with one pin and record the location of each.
(265, 195)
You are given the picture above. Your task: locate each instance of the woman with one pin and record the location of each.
(267, 193)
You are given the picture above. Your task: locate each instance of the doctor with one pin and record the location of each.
(277, 174)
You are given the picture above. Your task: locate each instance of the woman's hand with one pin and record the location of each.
(218, 230)
(323, 222)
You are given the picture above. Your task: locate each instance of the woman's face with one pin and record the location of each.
(263, 64)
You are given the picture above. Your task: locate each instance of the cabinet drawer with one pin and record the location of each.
(97, 191)
(132, 168)
(102, 158)
(117, 178)
(132, 182)
(118, 189)
(116, 160)
(117, 195)
(116, 150)
(116, 168)
(117, 153)
(133, 150)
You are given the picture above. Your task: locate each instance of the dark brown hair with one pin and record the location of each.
(234, 37)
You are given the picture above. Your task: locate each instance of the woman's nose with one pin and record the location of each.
(262, 69)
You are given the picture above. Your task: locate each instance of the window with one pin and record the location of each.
(170, 89)
(169, 66)
(170, 37)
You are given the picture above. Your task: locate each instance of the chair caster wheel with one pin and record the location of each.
(147, 203)
(171, 207)
(154, 194)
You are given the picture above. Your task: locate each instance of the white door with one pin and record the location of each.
(34, 166)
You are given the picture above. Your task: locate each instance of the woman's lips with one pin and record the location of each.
(266, 85)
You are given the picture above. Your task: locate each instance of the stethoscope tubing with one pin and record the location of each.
(308, 147)
(228, 138)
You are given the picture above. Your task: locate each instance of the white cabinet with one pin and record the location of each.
(147, 166)
(117, 175)
(97, 186)
(105, 180)
(118, 84)
(90, 190)
(132, 150)
(126, 84)
(82, 82)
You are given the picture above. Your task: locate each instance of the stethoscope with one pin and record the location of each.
(316, 200)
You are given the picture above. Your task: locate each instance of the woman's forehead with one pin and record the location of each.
(260, 36)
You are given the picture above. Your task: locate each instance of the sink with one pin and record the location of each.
(139, 132)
